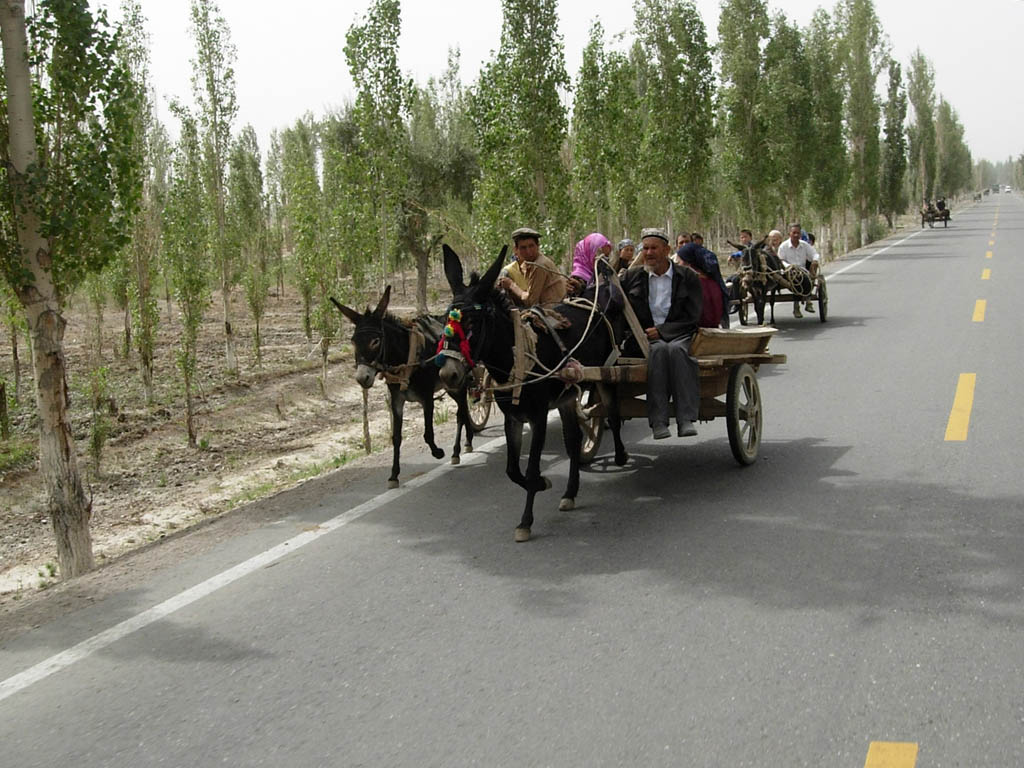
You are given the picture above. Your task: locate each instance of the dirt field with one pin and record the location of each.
(267, 429)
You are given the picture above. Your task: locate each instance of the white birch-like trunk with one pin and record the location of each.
(68, 505)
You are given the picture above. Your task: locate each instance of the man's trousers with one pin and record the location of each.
(671, 372)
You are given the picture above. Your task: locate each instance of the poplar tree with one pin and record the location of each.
(247, 227)
(140, 259)
(371, 50)
(213, 87)
(790, 143)
(921, 92)
(864, 56)
(894, 157)
(953, 167)
(302, 208)
(829, 167)
(186, 255)
(522, 128)
(742, 35)
(349, 219)
(71, 179)
(675, 154)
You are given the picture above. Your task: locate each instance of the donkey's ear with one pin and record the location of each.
(491, 275)
(351, 314)
(382, 305)
(453, 269)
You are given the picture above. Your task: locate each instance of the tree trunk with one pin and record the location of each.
(5, 420)
(258, 344)
(230, 358)
(127, 329)
(68, 506)
(325, 347)
(190, 412)
(422, 270)
(16, 362)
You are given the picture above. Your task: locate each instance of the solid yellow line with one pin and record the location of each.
(988, 254)
(960, 415)
(986, 274)
(979, 311)
(891, 754)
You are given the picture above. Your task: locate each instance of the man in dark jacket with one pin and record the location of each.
(667, 300)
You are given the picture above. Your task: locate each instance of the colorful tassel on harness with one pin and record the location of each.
(453, 333)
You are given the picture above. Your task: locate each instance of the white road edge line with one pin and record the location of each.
(86, 648)
(880, 251)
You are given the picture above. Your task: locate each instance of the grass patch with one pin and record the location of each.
(17, 453)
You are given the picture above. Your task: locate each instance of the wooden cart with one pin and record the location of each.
(728, 363)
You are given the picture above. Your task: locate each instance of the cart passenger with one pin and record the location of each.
(799, 253)
(583, 256)
(668, 302)
(624, 253)
(705, 263)
(545, 284)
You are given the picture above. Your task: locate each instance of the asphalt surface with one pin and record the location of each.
(854, 598)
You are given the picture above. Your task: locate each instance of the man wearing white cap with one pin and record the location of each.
(667, 300)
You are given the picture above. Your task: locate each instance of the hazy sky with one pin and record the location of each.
(290, 57)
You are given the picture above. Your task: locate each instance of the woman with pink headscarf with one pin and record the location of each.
(581, 281)
(583, 258)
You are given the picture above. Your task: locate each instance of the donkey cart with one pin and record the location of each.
(728, 363)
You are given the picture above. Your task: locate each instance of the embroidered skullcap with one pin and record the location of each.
(657, 232)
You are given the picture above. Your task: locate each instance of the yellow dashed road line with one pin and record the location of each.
(988, 254)
(986, 274)
(960, 415)
(979, 311)
(891, 754)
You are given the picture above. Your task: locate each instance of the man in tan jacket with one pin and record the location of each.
(545, 283)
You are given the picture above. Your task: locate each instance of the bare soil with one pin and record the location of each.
(266, 429)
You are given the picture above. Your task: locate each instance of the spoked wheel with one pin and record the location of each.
(480, 398)
(822, 300)
(743, 413)
(592, 426)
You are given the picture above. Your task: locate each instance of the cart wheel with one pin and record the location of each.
(741, 312)
(743, 413)
(480, 398)
(593, 428)
(822, 300)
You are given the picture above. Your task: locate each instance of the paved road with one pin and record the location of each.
(852, 599)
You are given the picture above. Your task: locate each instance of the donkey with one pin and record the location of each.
(754, 280)
(487, 326)
(382, 346)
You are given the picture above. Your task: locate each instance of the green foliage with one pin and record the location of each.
(605, 141)
(247, 215)
(85, 187)
(953, 172)
(921, 92)
(521, 127)
(304, 211)
(742, 34)
(184, 242)
(371, 50)
(829, 168)
(864, 55)
(894, 158)
(675, 156)
(786, 85)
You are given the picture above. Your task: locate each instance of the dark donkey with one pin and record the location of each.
(487, 323)
(382, 346)
(754, 280)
